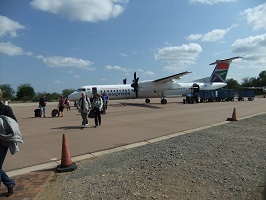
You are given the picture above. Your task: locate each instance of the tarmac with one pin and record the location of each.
(31, 179)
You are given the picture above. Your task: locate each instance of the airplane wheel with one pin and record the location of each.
(147, 100)
(163, 101)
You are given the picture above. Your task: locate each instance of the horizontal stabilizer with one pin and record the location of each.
(225, 60)
(263, 88)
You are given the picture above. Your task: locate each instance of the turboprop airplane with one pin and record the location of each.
(162, 88)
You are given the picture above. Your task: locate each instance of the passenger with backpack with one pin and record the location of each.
(84, 106)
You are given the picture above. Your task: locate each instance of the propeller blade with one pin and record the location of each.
(135, 84)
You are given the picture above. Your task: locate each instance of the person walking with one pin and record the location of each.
(97, 106)
(67, 102)
(61, 106)
(83, 106)
(105, 101)
(7, 142)
(42, 106)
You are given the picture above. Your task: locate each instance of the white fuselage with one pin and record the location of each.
(146, 90)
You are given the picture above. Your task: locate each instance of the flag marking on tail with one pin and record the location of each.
(220, 72)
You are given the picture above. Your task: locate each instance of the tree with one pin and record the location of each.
(66, 92)
(49, 96)
(262, 77)
(255, 82)
(232, 84)
(52, 96)
(8, 92)
(25, 92)
(247, 82)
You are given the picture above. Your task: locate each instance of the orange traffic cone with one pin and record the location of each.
(66, 163)
(233, 116)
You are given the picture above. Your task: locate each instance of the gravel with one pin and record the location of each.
(221, 162)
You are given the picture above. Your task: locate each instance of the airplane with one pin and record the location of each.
(162, 88)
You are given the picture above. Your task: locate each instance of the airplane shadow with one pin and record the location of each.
(72, 127)
(148, 105)
(69, 128)
(38, 117)
(142, 105)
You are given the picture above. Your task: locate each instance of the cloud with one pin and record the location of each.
(59, 61)
(253, 50)
(82, 10)
(148, 74)
(178, 57)
(256, 16)
(194, 37)
(211, 2)
(53, 61)
(58, 82)
(212, 36)
(11, 50)
(8, 26)
(124, 54)
(76, 76)
(117, 68)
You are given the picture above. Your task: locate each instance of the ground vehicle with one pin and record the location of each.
(250, 94)
(193, 96)
(207, 95)
(225, 95)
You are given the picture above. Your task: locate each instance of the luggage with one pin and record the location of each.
(37, 112)
(54, 112)
(91, 114)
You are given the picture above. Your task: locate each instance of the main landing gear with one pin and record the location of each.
(163, 101)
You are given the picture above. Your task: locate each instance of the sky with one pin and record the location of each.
(65, 44)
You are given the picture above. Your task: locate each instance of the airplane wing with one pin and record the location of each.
(170, 78)
(263, 88)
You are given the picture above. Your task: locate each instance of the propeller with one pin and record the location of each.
(135, 84)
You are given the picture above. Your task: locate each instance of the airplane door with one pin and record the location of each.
(94, 90)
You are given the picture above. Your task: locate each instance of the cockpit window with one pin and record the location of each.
(80, 90)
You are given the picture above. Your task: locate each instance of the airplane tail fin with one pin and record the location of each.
(125, 81)
(219, 73)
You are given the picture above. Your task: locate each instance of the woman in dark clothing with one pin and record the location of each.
(97, 105)
(9, 183)
(61, 106)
